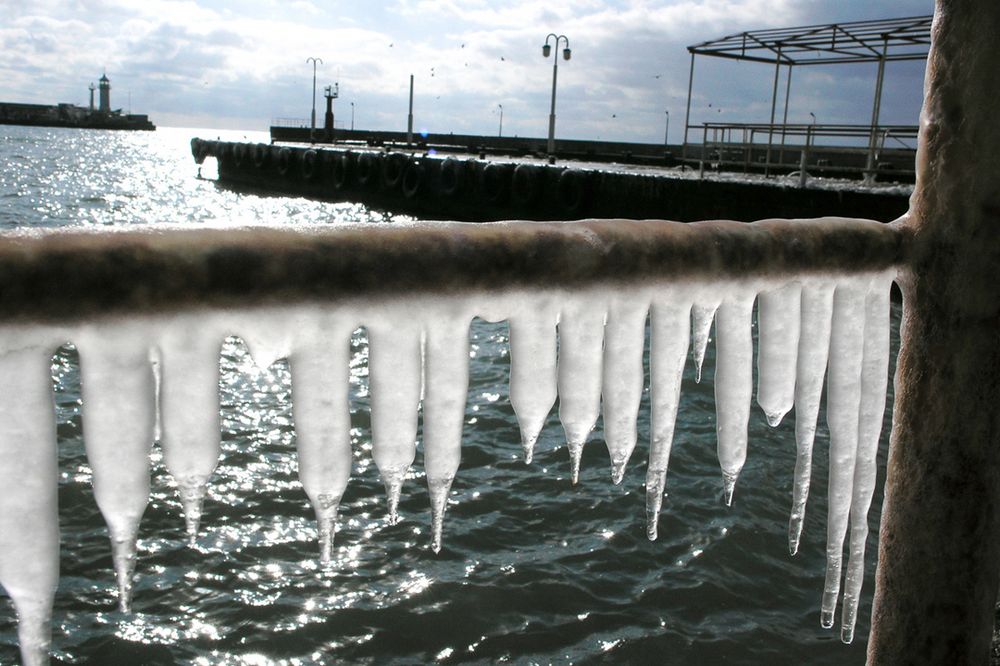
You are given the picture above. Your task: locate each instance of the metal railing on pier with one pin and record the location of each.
(290, 122)
(845, 150)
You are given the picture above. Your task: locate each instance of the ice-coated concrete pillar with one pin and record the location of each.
(939, 552)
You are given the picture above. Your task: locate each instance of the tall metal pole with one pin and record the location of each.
(312, 125)
(409, 118)
(352, 116)
(500, 131)
(774, 103)
(784, 120)
(666, 132)
(687, 113)
(873, 130)
(555, 72)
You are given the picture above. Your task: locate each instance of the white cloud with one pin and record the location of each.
(203, 59)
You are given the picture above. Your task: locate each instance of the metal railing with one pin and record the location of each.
(290, 122)
(834, 149)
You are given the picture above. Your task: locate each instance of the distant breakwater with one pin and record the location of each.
(470, 189)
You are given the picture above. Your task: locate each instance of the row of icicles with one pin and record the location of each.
(586, 347)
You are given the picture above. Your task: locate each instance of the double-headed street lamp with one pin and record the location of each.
(312, 130)
(546, 49)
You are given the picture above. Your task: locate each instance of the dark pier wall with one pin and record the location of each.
(455, 188)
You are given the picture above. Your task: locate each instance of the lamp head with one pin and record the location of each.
(566, 53)
(546, 49)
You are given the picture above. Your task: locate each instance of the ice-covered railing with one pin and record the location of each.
(939, 544)
(148, 312)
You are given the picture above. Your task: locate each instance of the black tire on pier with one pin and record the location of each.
(261, 152)
(494, 182)
(197, 150)
(572, 189)
(284, 160)
(341, 170)
(239, 153)
(223, 152)
(369, 167)
(310, 165)
(526, 183)
(413, 179)
(393, 167)
(450, 177)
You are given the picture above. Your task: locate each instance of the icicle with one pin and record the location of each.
(156, 365)
(447, 386)
(733, 385)
(842, 403)
(581, 335)
(394, 380)
(119, 395)
(29, 516)
(621, 392)
(267, 337)
(669, 339)
(778, 313)
(533, 374)
(874, 377)
(703, 314)
(320, 382)
(189, 407)
(814, 349)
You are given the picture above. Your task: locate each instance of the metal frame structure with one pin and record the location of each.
(879, 41)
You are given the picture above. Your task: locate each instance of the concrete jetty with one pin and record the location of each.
(479, 188)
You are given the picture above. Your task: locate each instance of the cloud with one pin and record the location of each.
(246, 63)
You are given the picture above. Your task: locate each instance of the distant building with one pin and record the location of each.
(105, 84)
(71, 115)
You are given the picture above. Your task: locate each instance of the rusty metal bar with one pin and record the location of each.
(64, 275)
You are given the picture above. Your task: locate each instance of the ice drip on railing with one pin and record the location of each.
(583, 345)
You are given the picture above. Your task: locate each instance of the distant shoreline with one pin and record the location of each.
(69, 115)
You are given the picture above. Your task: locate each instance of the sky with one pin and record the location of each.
(242, 64)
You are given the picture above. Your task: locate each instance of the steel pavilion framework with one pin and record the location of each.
(878, 41)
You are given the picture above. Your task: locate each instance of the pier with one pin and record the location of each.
(480, 187)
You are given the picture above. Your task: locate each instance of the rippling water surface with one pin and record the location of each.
(533, 569)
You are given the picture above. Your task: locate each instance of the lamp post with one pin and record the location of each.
(500, 132)
(546, 49)
(666, 132)
(352, 116)
(312, 130)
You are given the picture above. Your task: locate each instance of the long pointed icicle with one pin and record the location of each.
(733, 385)
(778, 315)
(189, 408)
(814, 350)
(702, 314)
(533, 372)
(447, 387)
(621, 391)
(843, 396)
(29, 515)
(874, 378)
(394, 362)
(119, 418)
(669, 340)
(581, 336)
(320, 385)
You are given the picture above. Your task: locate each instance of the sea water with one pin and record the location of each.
(533, 569)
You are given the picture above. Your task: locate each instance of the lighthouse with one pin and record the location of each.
(105, 85)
